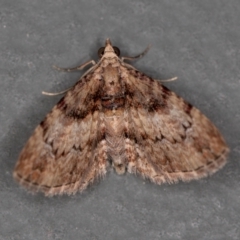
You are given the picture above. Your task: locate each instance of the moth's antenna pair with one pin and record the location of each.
(78, 68)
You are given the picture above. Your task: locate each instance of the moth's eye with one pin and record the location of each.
(116, 50)
(101, 51)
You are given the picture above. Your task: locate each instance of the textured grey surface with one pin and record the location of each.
(198, 41)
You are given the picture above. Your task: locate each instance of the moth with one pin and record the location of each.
(117, 116)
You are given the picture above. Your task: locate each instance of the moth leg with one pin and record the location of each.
(69, 70)
(75, 68)
(138, 56)
(57, 93)
(168, 80)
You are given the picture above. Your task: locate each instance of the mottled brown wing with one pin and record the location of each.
(66, 151)
(168, 139)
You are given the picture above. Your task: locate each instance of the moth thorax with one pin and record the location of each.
(112, 84)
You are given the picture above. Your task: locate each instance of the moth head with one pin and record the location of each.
(108, 49)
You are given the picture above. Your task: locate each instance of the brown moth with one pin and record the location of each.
(116, 115)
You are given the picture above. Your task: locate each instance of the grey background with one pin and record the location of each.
(198, 41)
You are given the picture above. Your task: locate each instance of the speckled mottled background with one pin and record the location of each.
(198, 41)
